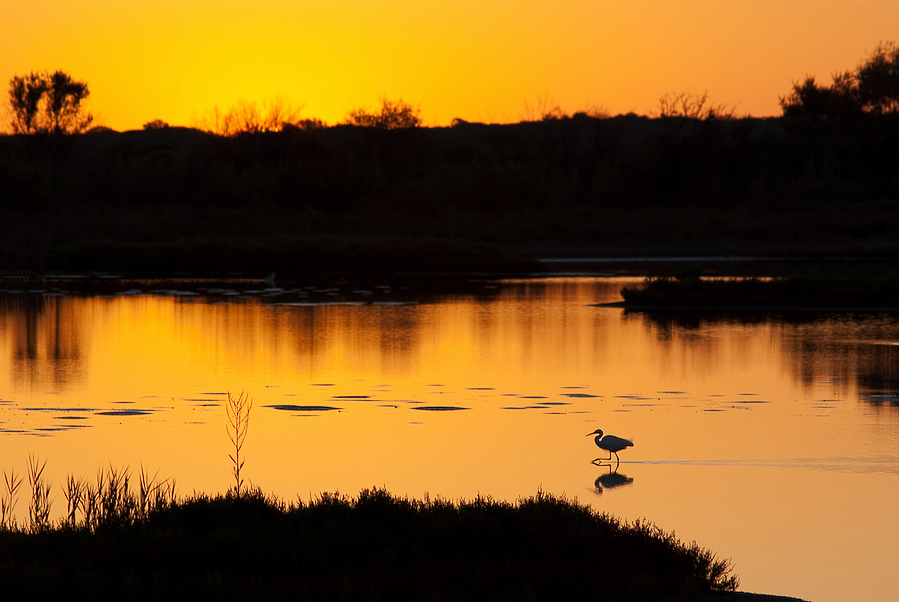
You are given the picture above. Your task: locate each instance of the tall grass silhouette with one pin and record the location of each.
(109, 501)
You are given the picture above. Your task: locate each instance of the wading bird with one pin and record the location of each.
(610, 443)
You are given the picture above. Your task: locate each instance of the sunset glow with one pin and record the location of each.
(485, 60)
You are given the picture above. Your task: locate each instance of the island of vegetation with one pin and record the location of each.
(117, 541)
(694, 292)
(261, 190)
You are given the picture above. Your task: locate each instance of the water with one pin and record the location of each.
(771, 439)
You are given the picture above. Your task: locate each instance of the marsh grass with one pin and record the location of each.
(107, 502)
(375, 547)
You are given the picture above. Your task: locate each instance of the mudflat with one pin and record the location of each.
(746, 597)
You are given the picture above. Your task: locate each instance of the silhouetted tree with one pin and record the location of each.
(809, 100)
(872, 88)
(45, 103)
(156, 124)
(394, 115)
(878, 80)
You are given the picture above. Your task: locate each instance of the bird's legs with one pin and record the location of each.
(599, 461)
(617, 461)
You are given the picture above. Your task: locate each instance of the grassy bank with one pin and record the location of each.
(373, 547)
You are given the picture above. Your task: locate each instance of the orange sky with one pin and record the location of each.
(476, 59)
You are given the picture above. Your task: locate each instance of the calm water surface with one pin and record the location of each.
(771, 439)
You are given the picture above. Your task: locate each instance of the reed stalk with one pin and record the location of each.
(118, 505)
(148, 486)
(12, 483)
(154, 494)
(39, 508)
(238, 410)
(74, 493)
(91, 505)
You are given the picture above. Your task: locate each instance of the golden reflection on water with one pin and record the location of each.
(770, 439)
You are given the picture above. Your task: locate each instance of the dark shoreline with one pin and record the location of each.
(746, 597)
(678, 263)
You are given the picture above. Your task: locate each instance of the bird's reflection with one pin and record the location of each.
(609, 480)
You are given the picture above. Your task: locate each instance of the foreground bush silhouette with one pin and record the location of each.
(374, 547)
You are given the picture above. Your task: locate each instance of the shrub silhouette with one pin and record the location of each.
(156, 124)
(275, 115)
(394, 115)
(811, 101)
(543, 108)
(45, 103)
(693, 106)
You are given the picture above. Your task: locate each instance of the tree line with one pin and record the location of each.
(53, 103)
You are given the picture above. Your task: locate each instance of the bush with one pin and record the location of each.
(693, 106)
(275, 115)
(394, 115)
(156, 124)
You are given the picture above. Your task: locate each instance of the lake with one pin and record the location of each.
(770, 438)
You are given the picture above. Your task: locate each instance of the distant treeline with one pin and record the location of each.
(320, 197)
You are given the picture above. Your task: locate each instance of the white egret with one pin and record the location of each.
(610, 443)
